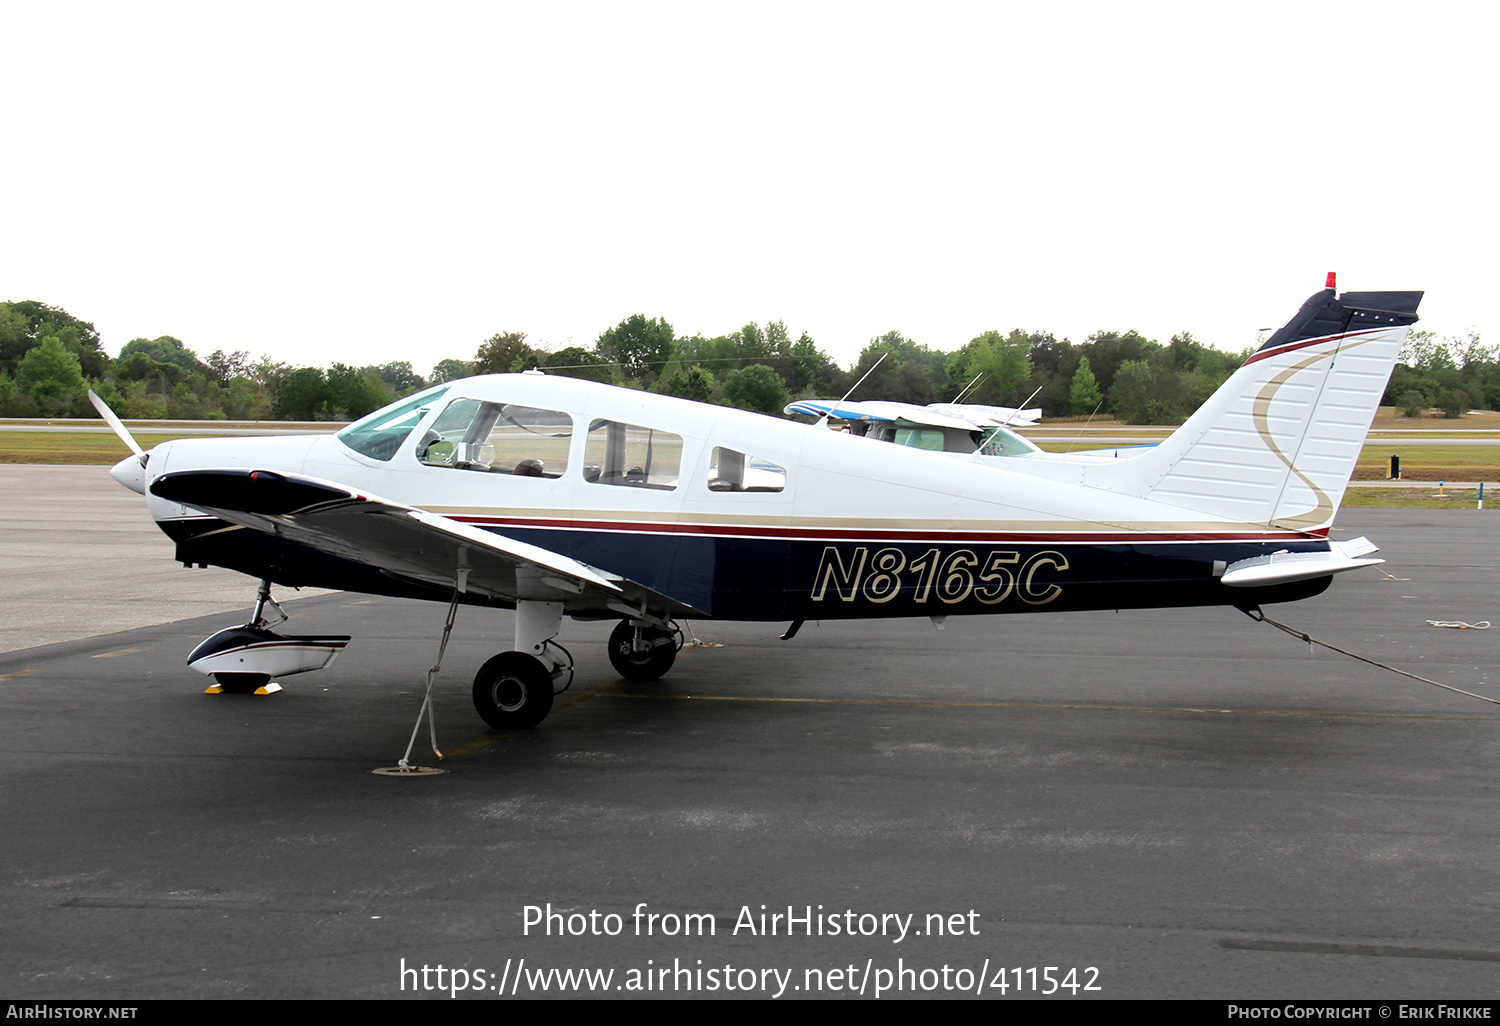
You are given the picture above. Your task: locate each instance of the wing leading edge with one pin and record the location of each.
(405, 541)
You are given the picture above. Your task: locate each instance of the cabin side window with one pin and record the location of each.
(632, 455)
(730, 470)
(920, 438)
(498, 438)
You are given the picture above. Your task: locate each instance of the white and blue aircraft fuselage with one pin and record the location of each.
(560, 497)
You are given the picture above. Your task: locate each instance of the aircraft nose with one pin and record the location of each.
(130, 473)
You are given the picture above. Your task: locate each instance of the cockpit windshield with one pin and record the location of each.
(379, 435)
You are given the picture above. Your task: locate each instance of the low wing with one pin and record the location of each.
(404, 541)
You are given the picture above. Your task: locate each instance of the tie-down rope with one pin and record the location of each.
(1255, 614)
(427, 698)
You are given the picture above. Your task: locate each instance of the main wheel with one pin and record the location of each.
(513, 691)
(647, 663)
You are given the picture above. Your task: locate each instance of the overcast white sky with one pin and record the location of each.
(366, 182)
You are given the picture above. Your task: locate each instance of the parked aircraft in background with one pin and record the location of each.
(943, 427)
(565, 498)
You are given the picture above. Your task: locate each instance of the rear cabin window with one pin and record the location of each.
(498, 438)
(632, 456)
(733, 471)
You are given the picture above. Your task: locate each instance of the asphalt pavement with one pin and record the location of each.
(1165, 804)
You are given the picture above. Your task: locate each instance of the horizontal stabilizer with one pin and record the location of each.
(1287, 567)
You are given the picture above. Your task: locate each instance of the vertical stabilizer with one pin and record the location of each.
(1277, 443)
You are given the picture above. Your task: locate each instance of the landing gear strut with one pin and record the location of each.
(250, 683)
(643, 651)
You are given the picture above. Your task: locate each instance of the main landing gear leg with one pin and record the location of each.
(514, 690)
(643, 651)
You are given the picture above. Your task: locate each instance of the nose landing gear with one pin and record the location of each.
(242, 660)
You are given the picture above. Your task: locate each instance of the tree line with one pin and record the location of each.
(49, 359)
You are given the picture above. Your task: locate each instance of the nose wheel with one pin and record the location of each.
(643, 651)
(241, 683)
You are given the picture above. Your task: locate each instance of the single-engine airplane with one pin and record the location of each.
(559, 497)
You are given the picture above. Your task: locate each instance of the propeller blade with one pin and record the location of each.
(116, 426)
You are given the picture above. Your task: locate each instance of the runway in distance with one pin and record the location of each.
(565, 498)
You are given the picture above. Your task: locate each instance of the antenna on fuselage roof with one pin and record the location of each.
(960, 397)
(1017, 411)
(988, 438)
(1086, 427)
(824, 419)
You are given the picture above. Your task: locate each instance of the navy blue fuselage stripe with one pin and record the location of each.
(778, 579)
(789, 579)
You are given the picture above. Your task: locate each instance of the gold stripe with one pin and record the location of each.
(1047, 527)
(1323, 511)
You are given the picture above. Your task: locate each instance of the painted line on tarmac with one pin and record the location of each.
(1379, 950)
(121, 651)
(1039, 706)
